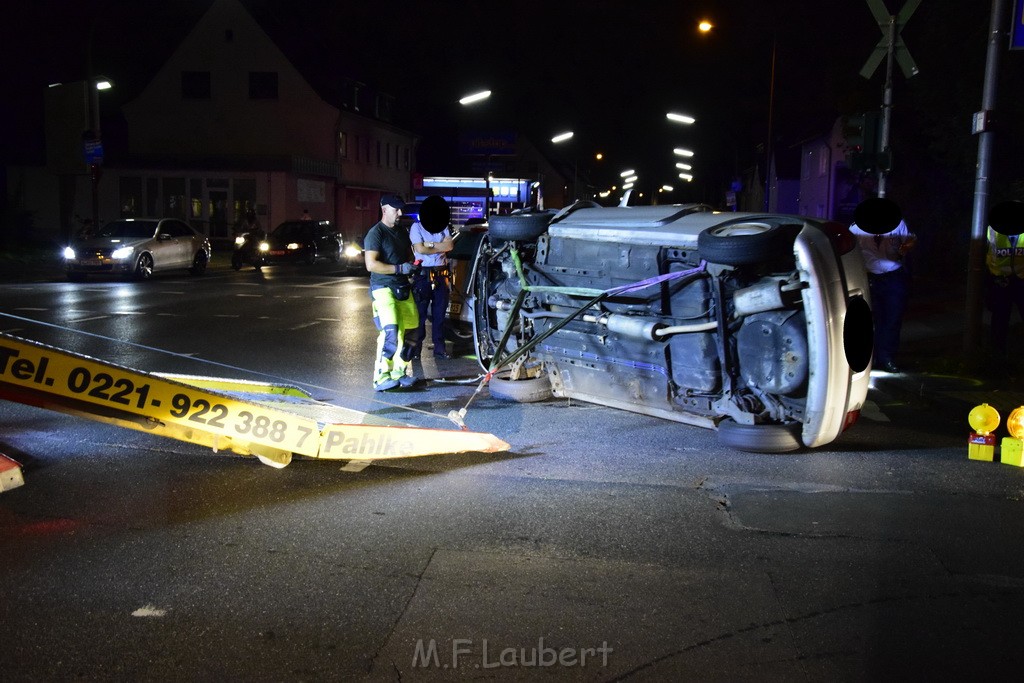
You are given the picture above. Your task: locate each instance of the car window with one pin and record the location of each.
(175, 229)
(128, 229)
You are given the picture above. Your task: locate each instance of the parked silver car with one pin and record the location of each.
(757, 325)
(138, 247)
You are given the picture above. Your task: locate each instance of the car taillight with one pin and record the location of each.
(851, 417)
(842, 239)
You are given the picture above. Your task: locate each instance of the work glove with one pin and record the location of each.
(406, 269)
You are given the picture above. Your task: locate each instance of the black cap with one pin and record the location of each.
(877, 215)
(392, 200)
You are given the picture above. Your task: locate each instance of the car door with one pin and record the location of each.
(175, 245)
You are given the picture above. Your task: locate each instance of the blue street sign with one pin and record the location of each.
(93, 150)
(1017, 28)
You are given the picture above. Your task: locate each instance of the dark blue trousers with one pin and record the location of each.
(888, 303)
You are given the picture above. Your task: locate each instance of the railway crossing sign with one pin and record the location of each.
(891, 28)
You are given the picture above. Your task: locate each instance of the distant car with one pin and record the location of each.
(757, 325)
(303, 242)
(138, 248)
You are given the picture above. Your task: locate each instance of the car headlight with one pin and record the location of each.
(122, 253)
(239, 241)
(292, 246)
(352, 251)
(264, 246)
(69, 254)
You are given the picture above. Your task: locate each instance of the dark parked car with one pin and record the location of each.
(757, 325)
(304, 242)
(138, 247)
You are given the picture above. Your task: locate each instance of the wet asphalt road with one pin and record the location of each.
(603, 546)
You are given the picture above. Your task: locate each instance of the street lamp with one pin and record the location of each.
(680, 118)
(93, 144)
(473, 98)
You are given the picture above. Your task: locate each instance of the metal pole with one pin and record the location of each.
(883, 142)
(768, 145)
(976, 258)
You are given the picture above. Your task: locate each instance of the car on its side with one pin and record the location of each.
(138, 248)
(303, 241)
(757, 325)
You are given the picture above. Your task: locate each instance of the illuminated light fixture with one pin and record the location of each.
(687, 177)
(682, 152)
(680, 118)
(599, 156)
(54, 85)
(104, 84)
(604, 194)
(684, 167)
(475, 97)
(627, 173)
(536, 184)
(626, 186)
(630, 179)
(667, 188)
(704, 26)
(562, 137)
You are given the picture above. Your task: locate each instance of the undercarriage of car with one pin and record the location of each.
(711, 331)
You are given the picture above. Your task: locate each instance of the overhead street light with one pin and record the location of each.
(684, 167)
(562, 137)
(682, 152)
(686, 176)
(704, 26)
(680, 118)
(475, 97)
(627, 173)
(472, 99)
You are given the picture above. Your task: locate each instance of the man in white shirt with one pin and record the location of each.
(431, 241)
(884, 240)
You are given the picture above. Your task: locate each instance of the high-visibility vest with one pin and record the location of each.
(1005, 255)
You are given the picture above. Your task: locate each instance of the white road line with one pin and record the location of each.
(309, 324)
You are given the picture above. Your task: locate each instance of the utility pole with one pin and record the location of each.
(976, 256)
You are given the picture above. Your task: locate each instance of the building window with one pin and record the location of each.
(388, 155)
(343, 145)
(195, 85)
(262, 85)
(405, 158)
(380, 160)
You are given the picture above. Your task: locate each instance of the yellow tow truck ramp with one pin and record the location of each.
(270, 421)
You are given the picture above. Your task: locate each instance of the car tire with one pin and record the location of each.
(745, 244)
(310, 256)
(762, 438)
(523, 227)
(144, 267)
(199, 263)
(529, 390)
(236, 260)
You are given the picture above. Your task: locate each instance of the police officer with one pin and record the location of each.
(1004, 260)
(431, 241)
(884, 240)
(388, 255)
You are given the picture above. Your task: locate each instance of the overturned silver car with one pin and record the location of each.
(758, 325)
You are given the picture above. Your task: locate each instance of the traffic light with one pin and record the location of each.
(860, 132)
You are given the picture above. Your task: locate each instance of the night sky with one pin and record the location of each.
(607, 70)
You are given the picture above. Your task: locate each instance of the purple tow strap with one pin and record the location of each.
(658, 279)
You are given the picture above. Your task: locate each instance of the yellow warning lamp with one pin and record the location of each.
(982, 443)
(1011, 451)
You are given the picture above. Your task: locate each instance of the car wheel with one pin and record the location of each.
(144, 267)
(310, 256)
(335, 255)
(770, 438)
(199, 263)
(744, 244)
(519, 227)
(236, 261)
(529, 390)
